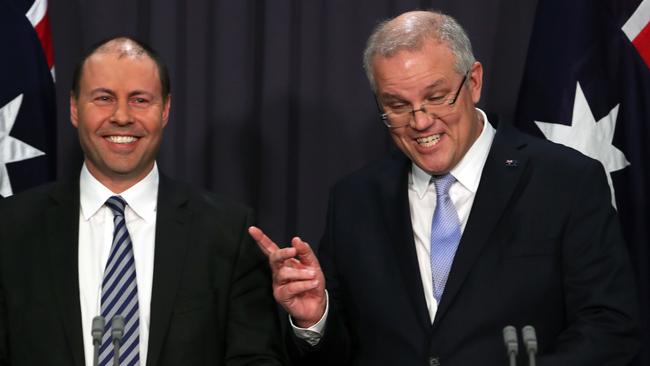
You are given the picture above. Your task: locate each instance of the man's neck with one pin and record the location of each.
(118, 183)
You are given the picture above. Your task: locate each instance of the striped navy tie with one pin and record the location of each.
(120, 292)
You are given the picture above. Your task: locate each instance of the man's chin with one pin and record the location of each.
(123, 170)
(434, 167)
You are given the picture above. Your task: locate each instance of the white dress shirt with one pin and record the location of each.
(422, 202)
(95, 239)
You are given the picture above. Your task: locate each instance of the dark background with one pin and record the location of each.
(270, 104)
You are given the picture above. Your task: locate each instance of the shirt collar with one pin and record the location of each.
(468, 170)
(141, 197)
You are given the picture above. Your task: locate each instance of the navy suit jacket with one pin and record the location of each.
(542, 246)
(211, 300)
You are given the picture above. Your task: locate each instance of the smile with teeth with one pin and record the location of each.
(121, 139)
(428, 141)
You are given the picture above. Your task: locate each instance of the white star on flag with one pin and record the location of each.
(12, 149)
(591, 138)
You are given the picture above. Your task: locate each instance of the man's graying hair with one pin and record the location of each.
(392, 36)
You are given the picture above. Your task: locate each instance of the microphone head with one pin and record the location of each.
(97, 330)
(118, 327)
(510, 339)
(529, 337)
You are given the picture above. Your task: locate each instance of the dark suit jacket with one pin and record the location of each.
(542, 246)
(211, 299)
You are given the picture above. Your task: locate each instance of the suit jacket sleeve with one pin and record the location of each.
(601, 305)
(252, 336)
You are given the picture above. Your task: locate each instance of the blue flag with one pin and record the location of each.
(587, 85)
(27, 100)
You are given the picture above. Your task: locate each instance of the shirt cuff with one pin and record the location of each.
(313, 334)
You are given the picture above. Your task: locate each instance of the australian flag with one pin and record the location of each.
(587, 85)
(27, 99)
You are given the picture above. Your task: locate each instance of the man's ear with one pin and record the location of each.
(166, 106)
(74, 113)
(476, 81)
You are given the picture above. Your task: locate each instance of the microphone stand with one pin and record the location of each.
(530, 340)
(118, 333)
(512, 345)
(97, 332)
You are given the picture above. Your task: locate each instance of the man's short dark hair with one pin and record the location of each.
(141, 47)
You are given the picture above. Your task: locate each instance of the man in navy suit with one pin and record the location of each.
(195, 285)
(428, 254)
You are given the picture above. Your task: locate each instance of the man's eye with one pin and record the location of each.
(436, 98)
(103, 99)
(399, 108)
(140, 101)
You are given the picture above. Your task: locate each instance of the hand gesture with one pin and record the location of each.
(298, 281)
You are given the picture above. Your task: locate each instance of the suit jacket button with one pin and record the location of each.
(434, 361)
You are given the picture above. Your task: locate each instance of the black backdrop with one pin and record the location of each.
(270, 104)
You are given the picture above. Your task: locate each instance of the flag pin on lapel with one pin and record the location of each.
(511, 163)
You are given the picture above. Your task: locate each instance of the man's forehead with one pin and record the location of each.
(430, 55)
(126, 53)
(430, 47)
(108, 68)
(122, 47)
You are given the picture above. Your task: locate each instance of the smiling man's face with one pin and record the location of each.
(413, 78)
(120, 114)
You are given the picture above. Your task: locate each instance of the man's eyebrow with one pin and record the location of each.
(395, 97)
(102, 90)
(140, 92)
(388, 97)
(435, 84)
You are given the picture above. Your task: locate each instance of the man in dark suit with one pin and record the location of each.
(428, 254)
(123, 242)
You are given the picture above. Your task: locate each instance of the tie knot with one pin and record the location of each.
(442, 183)
(117, 205)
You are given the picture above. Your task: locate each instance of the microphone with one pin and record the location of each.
(512, 345)
(118, 333)
(97, 332)
(530, 341)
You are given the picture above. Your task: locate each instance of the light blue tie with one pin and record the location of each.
(445, 234)
(120, 292)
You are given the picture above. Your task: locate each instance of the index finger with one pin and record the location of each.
(264, 242)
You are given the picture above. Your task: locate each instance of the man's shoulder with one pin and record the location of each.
(33, 198)
(32, 206)
(544, 153)
(200, 199)
(391, 168)
(211, 201)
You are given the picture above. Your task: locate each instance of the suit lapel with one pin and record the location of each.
(172, 223)
(503, 169)
(393, 191)
(62, 228)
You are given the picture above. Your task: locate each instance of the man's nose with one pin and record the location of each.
(122, 113)
(421, 120)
